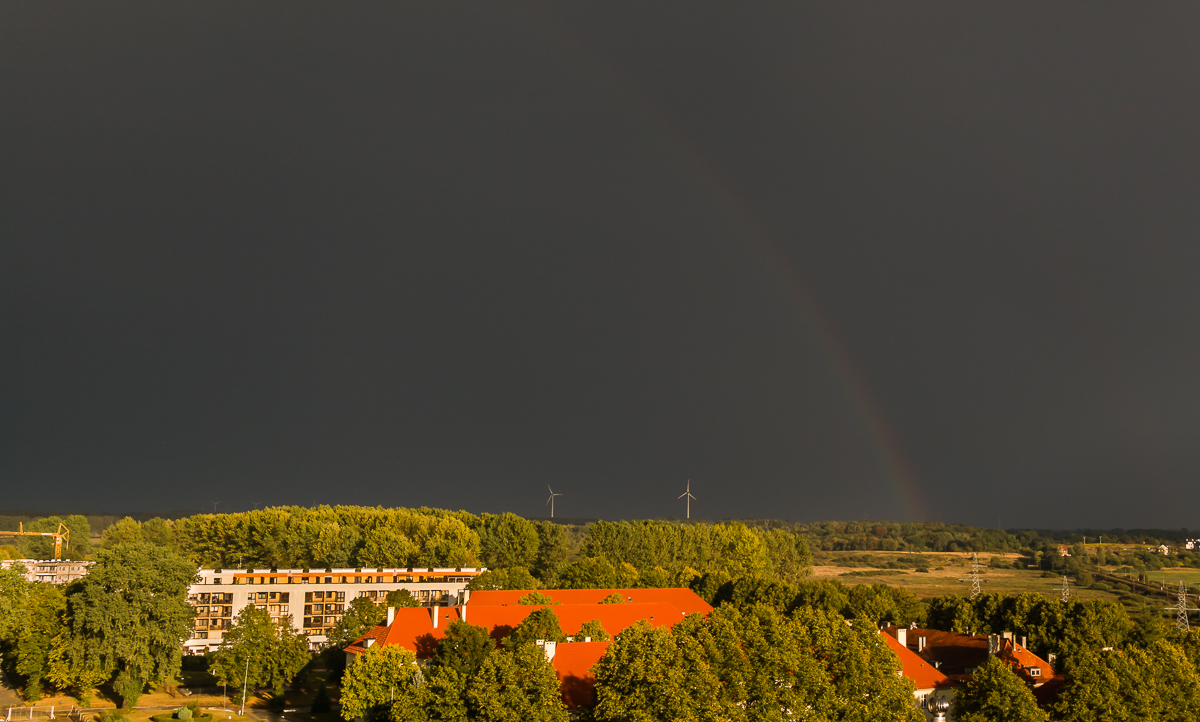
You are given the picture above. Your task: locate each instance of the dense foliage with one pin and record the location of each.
(468, 678)
(755, 664)
(996, 694)
(257, 652)
(123, 624)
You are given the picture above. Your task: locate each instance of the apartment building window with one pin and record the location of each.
(216, 580)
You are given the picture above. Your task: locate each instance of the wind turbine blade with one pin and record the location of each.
(682, 495)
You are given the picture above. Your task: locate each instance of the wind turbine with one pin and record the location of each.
(550, 501)
(689, 496)
(214, 503)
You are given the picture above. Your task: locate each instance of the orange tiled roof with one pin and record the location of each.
(413, 627)
(922, 673)
(685, 600)
(573, 662)
(957, 655)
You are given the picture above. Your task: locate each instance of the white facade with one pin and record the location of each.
(51, 571)
(315, 600)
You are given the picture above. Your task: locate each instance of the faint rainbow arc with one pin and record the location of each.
(882, 438)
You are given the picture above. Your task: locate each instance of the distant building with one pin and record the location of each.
(1063, 551)
(1192, 545)
(316, 600)
(1163, 549)
(50, 571)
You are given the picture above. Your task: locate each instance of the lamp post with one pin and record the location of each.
(245, 681)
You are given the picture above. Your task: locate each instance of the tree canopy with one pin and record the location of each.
(257, 652)
(361, 616)
(128, 617)
(996, 694)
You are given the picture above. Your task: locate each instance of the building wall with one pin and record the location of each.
(315, 600)
(49, 570)
(921, 695)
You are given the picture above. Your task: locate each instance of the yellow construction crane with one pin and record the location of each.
(62, 537)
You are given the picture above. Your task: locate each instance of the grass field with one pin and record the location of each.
(954, 566)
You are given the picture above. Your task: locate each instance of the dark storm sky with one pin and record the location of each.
(828, 261)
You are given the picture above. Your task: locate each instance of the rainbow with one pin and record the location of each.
(882, 438)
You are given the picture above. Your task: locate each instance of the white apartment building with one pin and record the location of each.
(315, 600)
(51, 571)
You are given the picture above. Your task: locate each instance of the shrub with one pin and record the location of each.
(183, 713)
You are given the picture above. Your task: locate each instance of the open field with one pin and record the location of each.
(955, 566)
(1172, 577)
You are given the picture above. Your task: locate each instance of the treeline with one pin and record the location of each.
(533, 554)
(42, 547)
(1052, 627)
(940, 537)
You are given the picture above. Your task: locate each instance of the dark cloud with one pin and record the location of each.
(448, 254)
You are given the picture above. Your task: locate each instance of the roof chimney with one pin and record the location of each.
(433, 612)
(1023, 645)
(462, 611)
(391, 615)
(993, 644)
(902, 636)
(921, 644)
(466, 597)
(549, 648)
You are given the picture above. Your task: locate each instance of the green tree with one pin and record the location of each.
(503, 579)
(30, 621)
(996, 694)
(553, 542)
(829, 596)
(614, 598)
(362, 615)
(437, 698)
(514, 686)
(509, 541)
(535, 598)
(597, 573)
(257, 652)
(594, 630)
(400, 598)
(124, 531)
(1157, 683)
(540, 624)
(334, 545)
(128, 617)
(159, 531)
(386, 547)
(642, 678)
(464, 647)
(376, 679)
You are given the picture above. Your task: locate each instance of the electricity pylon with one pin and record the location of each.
(974, 577)
(1181, 608)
